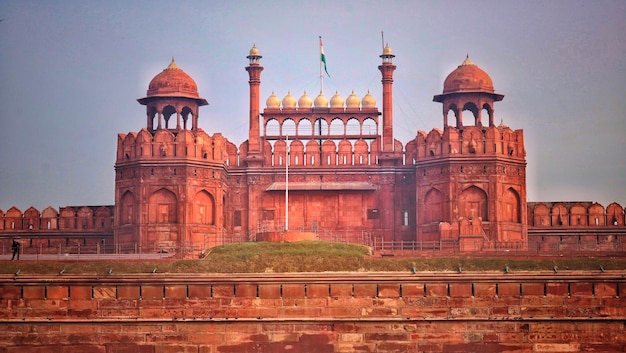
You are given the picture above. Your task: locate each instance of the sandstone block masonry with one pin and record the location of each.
(390, 312)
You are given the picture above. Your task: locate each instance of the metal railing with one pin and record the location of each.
(566, 246)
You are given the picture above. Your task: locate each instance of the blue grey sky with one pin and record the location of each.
(71, 71)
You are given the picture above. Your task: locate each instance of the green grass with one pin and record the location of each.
(306, 256)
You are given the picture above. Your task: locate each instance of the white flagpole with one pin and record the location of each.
(287, 184)
(321, 75)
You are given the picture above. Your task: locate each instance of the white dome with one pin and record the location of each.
(336, 101)
(305, 101)
(321, 101)
(289, 101)
(368, 101)
(353, 101)
(272, 102)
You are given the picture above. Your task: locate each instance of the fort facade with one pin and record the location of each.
(320, 166)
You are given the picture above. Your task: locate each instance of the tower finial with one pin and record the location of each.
(172, 65)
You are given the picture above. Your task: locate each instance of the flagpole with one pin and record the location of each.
(321, 75)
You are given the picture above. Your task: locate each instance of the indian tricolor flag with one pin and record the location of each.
(323, 56)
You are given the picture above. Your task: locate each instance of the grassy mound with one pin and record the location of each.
(306, 256)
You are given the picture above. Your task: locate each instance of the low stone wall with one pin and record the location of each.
(369, 312)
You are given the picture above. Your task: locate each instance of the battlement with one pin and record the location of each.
(559, 215)
(172, 144)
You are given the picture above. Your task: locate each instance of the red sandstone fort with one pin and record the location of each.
(319, 169)
(336, 167)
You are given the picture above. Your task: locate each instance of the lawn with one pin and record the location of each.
(306, 256)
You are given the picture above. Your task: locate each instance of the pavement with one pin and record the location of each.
(87, 257)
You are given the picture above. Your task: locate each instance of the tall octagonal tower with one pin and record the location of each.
(170, 176)
(471, 179)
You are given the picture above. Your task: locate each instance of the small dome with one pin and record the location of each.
(172, 82)
(387, 50)
(254, 51)
(468, 77)
(368, 101)
(272, 102)
(289, 101)
(353, 101)
(336, 101)
(305, 101)
(321, 101)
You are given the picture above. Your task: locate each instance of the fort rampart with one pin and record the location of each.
(374, 312)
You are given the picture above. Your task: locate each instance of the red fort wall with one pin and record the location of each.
(534, 312)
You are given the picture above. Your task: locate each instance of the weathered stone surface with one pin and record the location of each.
(361, 317)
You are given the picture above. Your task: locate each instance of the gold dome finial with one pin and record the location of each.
(172, 65)
(467, 61)
(254, 51)
(387, 50)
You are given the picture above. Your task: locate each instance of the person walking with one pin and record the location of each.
(16, 249)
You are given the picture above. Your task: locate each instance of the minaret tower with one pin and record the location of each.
(387, 68)
(254, 157)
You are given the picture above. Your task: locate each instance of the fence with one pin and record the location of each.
(573, 246)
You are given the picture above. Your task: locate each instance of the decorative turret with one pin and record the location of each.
(171, 92)
(468, 87)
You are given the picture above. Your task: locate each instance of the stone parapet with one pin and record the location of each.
(541, 312)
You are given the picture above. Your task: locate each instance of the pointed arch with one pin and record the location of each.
(127, 209)
(596, 215)
(203, 209)
(541, 216)
(102, 218)
(85, 218)
(615, 214)
(305, 127)
(560, 215)
(168, 112)
(288, 127)
(473, 203)
(337, 127)
(361, 153)
(511, 206)
(162, 207)
(433, 206)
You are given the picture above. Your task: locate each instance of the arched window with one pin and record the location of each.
(289, 127)
(168, 112)
(337, 127)
(272, 128)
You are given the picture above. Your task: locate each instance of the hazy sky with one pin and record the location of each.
(71, 71)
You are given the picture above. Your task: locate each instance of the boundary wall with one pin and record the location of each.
(352, 312)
